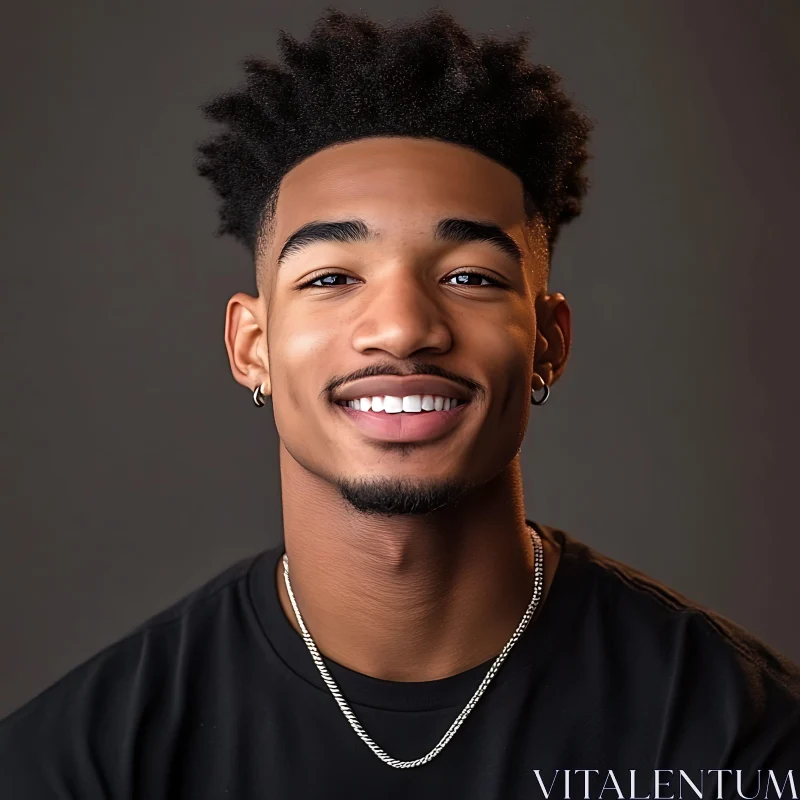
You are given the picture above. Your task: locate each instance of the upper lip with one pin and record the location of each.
(400, 386)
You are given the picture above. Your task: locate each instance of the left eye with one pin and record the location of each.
(471, 279)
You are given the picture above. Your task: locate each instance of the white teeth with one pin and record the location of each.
(392, 405)
(410, 404)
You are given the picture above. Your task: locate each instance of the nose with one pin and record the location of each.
(402, 317)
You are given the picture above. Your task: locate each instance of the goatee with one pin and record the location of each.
(390, 496)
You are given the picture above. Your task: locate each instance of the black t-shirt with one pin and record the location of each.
(218, 697)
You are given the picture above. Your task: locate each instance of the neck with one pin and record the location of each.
(411, 597)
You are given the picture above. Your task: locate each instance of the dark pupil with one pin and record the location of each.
(330, 280)
(465, 277)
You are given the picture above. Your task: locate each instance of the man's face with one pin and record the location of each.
(427, 312)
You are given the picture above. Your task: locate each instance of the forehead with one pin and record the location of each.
(399, 185)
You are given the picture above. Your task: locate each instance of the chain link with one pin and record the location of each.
(351, 717)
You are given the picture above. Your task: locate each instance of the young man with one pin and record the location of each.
(401, 190)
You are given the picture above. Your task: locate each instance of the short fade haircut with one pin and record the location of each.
(355, 78)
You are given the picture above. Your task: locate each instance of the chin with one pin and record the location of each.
(395, 496)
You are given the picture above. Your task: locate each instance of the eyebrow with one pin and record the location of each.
(356, 230)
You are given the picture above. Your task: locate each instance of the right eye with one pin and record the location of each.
(327, 279)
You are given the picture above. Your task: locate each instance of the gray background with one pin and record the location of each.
(134, 467)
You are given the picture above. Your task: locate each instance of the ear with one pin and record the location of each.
(246, 341)
(553, 338)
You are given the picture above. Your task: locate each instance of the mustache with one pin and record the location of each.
(412, 368)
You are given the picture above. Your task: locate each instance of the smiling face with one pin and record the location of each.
(402, 268)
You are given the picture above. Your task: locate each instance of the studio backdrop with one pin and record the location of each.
(134, 467)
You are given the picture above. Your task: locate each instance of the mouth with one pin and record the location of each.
(404, 418)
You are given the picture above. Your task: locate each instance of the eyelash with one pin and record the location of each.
(310, 281)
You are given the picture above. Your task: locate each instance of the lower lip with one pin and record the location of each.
(405, 426)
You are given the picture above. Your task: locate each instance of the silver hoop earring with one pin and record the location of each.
(258, 396)
(544, 396)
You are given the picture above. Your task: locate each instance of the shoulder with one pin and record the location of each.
(617, 590)
(146, 640)
(656, 607)
(693, 667)
(79, 722)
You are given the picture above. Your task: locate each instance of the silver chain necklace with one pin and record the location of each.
(351, 717)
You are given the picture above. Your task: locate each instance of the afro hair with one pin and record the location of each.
(355, 78)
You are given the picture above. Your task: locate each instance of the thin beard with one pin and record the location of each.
(390, 497)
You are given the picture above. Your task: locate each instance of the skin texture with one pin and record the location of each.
(407, 597)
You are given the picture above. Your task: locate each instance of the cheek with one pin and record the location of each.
(509, 363)
(297, 363)
(505, 349)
